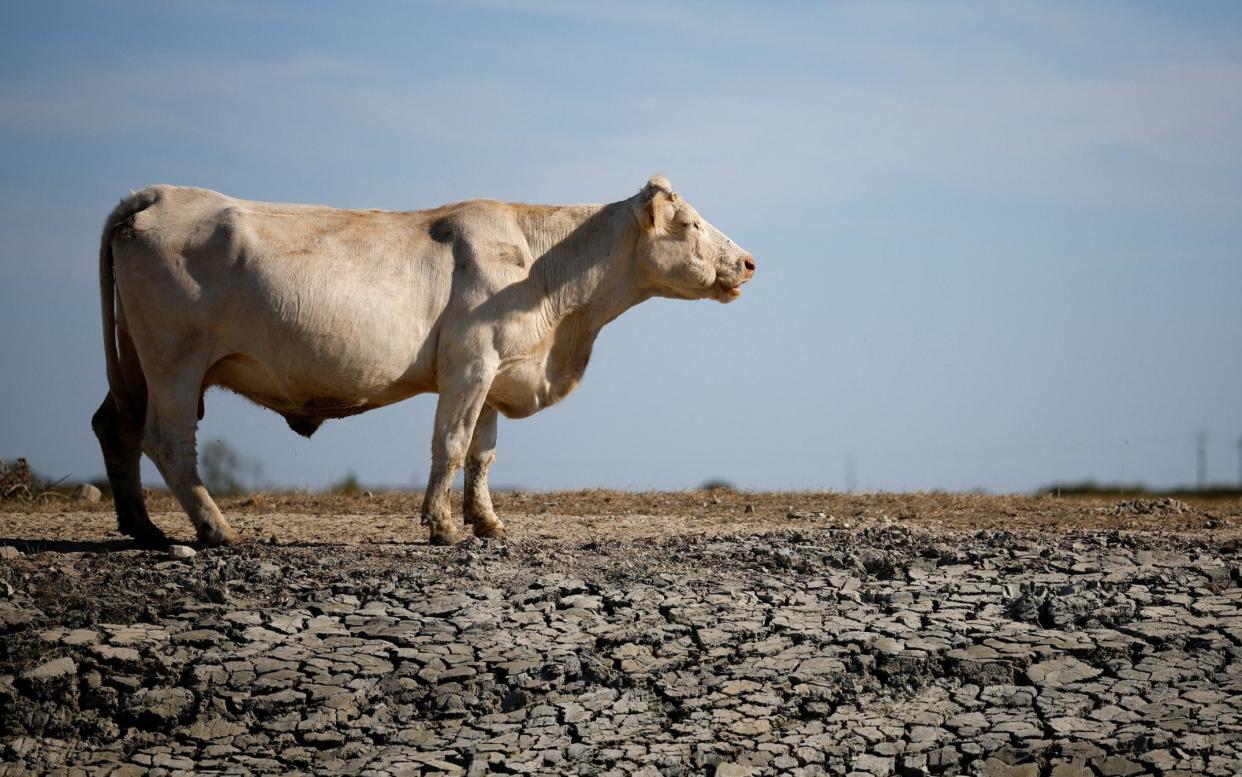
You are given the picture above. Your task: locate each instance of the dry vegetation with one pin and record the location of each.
(392, 516)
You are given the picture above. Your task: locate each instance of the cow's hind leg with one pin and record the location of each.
(478, 499)
(170, 441)
(120, 439)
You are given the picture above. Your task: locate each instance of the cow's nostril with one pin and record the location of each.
(749, 263)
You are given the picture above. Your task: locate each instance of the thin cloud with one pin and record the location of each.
(1025, 132)
(138, 97)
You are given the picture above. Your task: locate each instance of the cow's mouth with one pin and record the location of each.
(729, 290)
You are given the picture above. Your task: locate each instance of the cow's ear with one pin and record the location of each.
(658, 183)
(657, 196)
(657, 211)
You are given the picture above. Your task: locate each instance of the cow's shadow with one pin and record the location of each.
(77, 546)
(125, 543)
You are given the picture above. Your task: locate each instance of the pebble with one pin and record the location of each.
(87, 493)
(181, 552)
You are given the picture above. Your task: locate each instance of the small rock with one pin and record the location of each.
(13, 617)
(880, 767)
(117, 656)
(209, 729)
(1060, 671)
(52, 670)
(156, 708)
(1117, 766)
(52, 681)
(80, 637)
(87, 493)
(182, 552)
(582, 602)
(8, 552)
(1071, 769)
(267, 571)
(995, 767)
(575, 751)
(809, 515)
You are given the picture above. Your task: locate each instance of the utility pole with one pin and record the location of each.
(851, 473)
(1201, 459)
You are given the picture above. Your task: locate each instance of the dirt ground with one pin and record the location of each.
(611, 633)
(392, 517)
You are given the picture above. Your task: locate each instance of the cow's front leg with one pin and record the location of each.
(478, 500)
(456, 415)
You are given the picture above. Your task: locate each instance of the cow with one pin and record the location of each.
(321, 313)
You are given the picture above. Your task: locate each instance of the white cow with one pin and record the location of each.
(322, 313)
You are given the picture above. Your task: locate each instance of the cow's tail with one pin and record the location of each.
(110, 302)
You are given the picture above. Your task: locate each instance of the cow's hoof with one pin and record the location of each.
(444, 537)
(149, 536)
(489, 531)
(216, 536)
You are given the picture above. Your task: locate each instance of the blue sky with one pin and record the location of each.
(999, 244)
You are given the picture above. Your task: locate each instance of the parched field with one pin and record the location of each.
(689, 633)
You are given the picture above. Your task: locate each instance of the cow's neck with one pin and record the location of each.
(585, 257)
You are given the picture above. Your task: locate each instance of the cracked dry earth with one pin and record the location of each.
(793, 645)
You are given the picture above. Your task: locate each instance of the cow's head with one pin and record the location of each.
(682, 255)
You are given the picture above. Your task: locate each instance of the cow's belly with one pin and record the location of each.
(327, 357)
(347, 392)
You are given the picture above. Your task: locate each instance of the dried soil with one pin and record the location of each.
(686, 633)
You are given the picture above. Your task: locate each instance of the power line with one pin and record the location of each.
(1239, 462)
(1201, 460)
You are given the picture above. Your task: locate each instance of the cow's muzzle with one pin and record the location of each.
(730, 284)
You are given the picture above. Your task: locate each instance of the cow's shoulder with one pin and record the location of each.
(468, 219)
(483, 234)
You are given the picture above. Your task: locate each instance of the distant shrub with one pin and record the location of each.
(1123, 490)
(18, 481)
(348, 485)
(225, 472)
